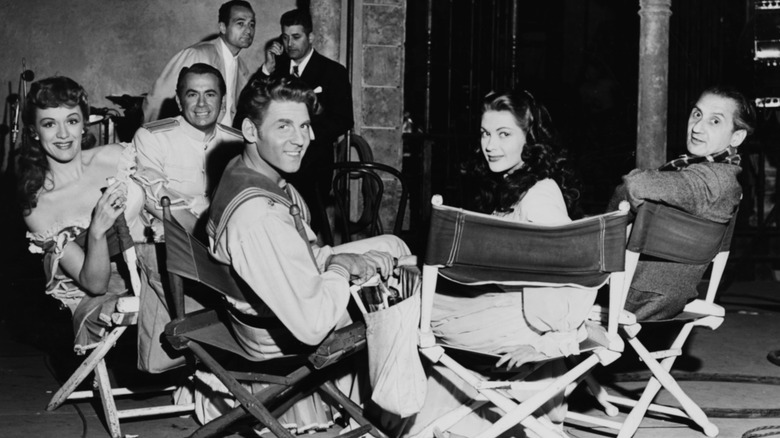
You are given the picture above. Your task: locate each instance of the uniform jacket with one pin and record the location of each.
(160, 102)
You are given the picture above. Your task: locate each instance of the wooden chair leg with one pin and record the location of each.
(247, 400)
(102, 385)
(601, 396)
(354, 411)
(86, 367)
(523, 412)
(661, 377)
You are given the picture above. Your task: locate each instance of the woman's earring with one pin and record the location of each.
(36, 137)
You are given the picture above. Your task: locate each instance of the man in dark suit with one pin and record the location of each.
(294, 55)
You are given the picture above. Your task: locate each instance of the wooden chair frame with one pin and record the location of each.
(207, 330)
(448, 250)
(125, 316)
(658, 231)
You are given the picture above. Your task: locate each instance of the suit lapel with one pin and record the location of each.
(311, 74)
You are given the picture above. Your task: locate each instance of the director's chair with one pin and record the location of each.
(125, 315)
(207, 333)
(669, 234)
(472, 248)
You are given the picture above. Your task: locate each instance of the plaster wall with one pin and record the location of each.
(113, 47)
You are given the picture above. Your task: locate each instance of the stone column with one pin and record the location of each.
(653, 82)
(327, 27)
(381, 112)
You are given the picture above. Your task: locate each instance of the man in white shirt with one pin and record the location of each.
(236, 32)
(183, 157)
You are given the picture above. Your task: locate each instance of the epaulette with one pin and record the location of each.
(230, 130)
(161, 125)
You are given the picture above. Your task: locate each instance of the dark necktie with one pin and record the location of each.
(295, 71)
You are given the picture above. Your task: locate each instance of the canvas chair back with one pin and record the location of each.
(675, 235)
(671, 234)
(474, 248)
(188, 257)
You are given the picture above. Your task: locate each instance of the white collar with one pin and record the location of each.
(301, 65)
(226, 53)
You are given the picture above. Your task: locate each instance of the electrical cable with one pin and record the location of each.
(717, 377)
(754, 433)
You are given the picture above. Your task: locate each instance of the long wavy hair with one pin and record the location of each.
(32, 165)
(542, 158)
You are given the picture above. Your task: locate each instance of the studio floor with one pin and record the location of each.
(725, 371)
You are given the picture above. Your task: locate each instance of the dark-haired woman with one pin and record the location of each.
(523, 178)
(73, 193)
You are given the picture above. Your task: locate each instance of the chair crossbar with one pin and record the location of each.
(159, 410)
(653, 407)
(657, 355)
(122, 392)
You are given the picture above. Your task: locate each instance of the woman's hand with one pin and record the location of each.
(521, 355)
(108, 208)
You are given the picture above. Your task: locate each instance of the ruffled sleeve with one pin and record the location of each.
(150, 174)
(126, 167)
(52, 245)
(126, 172)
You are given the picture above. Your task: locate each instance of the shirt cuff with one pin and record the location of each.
(338, 269)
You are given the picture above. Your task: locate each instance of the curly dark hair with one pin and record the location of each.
(32, 165)
(542, 158)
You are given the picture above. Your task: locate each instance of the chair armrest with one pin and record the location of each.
(705, 308)
(179, 327)
(128, 304)
(600, 314)
(340, 343)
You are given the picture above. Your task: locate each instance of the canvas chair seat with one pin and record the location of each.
(298, 372)
(475, 249)
(673, 235)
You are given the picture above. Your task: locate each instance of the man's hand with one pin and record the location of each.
(382, 261)
(275, 49)
(361, 267)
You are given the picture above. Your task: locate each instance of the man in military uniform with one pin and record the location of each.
(183, 157)
(236, 32)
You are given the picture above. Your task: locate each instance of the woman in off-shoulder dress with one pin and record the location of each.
(71, 195)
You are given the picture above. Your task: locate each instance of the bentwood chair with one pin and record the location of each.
(473, 249)
(369, 181)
